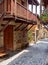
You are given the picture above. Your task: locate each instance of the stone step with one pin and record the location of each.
(3, 54)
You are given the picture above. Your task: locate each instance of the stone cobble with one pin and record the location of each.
(34, 55)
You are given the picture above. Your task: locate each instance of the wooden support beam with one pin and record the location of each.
(25, 27)
(2, 25)
(18, 26)
(36, 10)
(5, 26)
(30, 28)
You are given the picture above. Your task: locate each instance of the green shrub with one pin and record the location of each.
(30, 35)
(44, 16)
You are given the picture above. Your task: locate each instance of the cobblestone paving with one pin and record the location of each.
(34, 55)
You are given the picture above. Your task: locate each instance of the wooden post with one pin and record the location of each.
(5, 6)
(35, 36)
(27, 4)
(25, 27)
(36, 9)
(40, 7)
(15, 9)
(27, 9)
(12, 7)
(32, 8)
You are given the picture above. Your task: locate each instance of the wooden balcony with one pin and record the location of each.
(19, 11)
(24, 13)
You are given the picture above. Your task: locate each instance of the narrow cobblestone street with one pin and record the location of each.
(23, 32)
(36, 54)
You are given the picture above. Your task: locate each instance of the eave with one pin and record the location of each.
(34, 2)
(19, 19)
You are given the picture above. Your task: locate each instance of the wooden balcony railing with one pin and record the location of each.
(24, 13)
(19, 11)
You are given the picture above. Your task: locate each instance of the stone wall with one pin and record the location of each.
(20, 38)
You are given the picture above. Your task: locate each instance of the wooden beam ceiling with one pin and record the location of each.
(18, 26)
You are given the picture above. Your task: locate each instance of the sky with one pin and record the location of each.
(38, 8)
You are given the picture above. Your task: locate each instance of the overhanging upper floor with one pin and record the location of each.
(14, 9)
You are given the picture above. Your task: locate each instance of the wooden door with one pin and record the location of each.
(8, 38)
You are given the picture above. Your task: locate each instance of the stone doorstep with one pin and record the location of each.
(2, 54)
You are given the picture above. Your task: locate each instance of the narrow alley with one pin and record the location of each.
(23, 32)
(36, 54)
